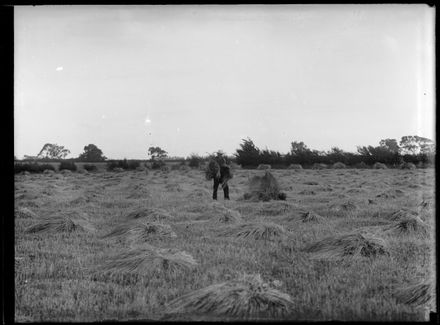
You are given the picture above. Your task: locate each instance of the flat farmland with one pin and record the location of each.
(347, 244)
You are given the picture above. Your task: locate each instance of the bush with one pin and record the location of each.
(69, 165)
(123, 164)
(379, 165)
(407, 165)
(157, 164)
(90, 168)
(361, 165)
(32, 167)
(338, 165)
(133, 164)
(194, 161)
(319, 166)
(112, 165)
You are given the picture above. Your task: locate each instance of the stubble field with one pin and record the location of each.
(351, 244)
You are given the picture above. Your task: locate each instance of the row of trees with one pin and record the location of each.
(55, 152)
(413, 149)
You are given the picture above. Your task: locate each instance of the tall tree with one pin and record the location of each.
(270, 157)
(248, 154)
(53, 151)
(336, 155)
(390, 144)
(413, 144)
(301, 154)
(92, 153)
(298, 148)
(157, 153)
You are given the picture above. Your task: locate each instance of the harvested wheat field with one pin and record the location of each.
(345, 244)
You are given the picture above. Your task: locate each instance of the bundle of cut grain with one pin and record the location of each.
(379, 165)
(148, 258)
(264, 166)
(310, 216)
(307, 192)
(151, 214)
(258, 231)
(173, 187)
(426, 204)
(417, 294)
(344, 207)
(338, 165)
(361, 165)
(410, 225)
(199, 193)
(401, 214)
(319, 166)
(48, 172)
(350, 245)
(264, 188)
(407, 165)
(295, 166)
(391, 194)
(79, 200)
(245, 298)
(64, 222)
(141, 231)
(25, 213)
(118, 170)
(66, 171)
(212, 170)
(30, 204)
(355, 191)
(226, 215)
(274, 208)
(230, 216)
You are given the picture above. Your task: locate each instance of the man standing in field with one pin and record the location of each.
(221, 173)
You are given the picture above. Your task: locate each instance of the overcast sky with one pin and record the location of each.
(196, 79)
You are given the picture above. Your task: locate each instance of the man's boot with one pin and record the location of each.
(226, 192)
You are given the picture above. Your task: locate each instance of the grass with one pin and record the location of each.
(144, 259)
(84, 276)
(417, 294)
(153, 214)
(141, 231)
(257, 231)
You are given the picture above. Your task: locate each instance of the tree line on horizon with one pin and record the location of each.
(412, 149)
